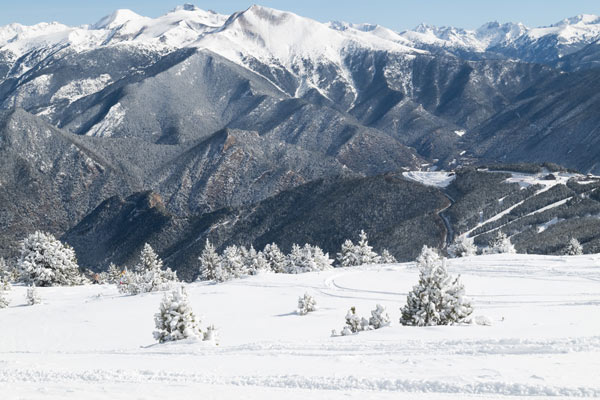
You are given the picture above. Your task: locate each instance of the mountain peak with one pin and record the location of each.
(186, 7)
(116, 19)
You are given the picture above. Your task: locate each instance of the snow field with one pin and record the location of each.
(544, 339)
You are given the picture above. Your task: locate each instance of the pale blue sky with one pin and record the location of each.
(398, 15)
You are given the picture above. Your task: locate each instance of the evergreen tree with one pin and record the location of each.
(275, 259)
(114, 273)
(348, 256)
(130, 283)
(255, 262)
(462, 247)
(150, 275)
(231, 266)
(387, 258)
(428, 258)
(45, 261)
(501, 244)
(379, 317)
(4, 301)
(33, 296)
(175, 319)
(322, 261)
(366, 255)
(306, 304)
(209, 262)
(438, 299)
(574, 248)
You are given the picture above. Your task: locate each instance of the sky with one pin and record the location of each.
(395, 14)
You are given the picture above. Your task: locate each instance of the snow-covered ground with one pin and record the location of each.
(439, 179)
(93, 343)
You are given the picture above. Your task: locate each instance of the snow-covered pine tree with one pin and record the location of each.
(348, 255)
(428, 258)
(354, 323)
(175, 319)
(438, 299)
(231, 266)
(255, 262)
(45, 261)
(574, 248)
(307, 259)
(379, 317)
(114, 273)
(322, 260)
(276, 260)
(462, 246)
(306, 304)
(33, 295)
(151, 276)
(365, 252)
(387, 257)
(5, 276)
(4, 301)
(501, 244)
(209, 262)
(130, 283)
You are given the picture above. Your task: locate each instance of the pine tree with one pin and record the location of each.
(130, 283)
(321, 260)
(255, 262)
(5, 276)
(306, 304)
(348, 256)
(4, 301)
(231, 265)
(151, 277)
(114, 273)
(275, 259)
(574, 248)
(463, 246)
(175, 319)
(438, 299)
(379, 317)
(428, 258)
(45, 261)
(209, 262)
(365, 252)
(33, 296)
(387, 258)
(501, 244)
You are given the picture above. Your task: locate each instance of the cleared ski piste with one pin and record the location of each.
(91, 342)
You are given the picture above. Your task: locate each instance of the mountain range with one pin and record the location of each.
(205, 115)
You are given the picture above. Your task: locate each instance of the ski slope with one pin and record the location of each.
(91, 342)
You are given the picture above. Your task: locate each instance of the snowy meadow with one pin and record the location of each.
(92, 341)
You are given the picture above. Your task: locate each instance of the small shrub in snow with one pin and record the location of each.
(276, 260)
(574, 248)
(45, 261)
(387, 258)
(175, 319)
(211, 334)
(33, 296)
(500, 244)
(462, 247)
(482, 320)
(428, 258)
(438, 298)
(379, 317)
(306, 304)
(354, 323)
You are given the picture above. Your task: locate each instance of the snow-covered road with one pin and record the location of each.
(90, 342)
